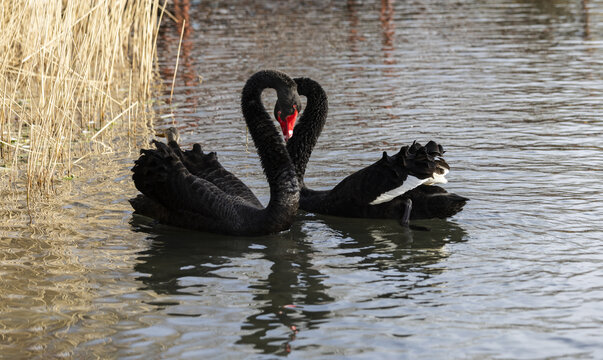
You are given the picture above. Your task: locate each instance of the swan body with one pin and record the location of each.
(192, 189)
(381, 190)
(385, 189)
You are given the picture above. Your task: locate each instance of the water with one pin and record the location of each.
(512, 90)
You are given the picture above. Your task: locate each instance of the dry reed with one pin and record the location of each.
(70, 71)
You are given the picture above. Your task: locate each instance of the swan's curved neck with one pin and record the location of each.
(309, 125)
(277, 165)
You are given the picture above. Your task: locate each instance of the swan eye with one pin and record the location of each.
(295, 107)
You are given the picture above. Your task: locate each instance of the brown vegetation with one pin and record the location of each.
(74, 75)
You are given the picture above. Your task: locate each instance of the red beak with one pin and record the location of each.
(288, 124)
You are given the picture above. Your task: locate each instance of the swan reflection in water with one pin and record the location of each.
(280, 279)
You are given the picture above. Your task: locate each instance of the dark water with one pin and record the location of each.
(512, 89)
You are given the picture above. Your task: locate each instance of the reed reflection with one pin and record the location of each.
(352, 15)
(188, 78)
(388, 29)
(555, 20)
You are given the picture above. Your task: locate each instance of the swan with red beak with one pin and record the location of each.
(287, 116)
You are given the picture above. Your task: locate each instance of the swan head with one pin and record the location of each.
(286, 110)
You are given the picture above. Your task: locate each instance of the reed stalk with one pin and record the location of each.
(71, 71)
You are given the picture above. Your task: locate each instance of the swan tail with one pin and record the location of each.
(444, 206)
(435, 202)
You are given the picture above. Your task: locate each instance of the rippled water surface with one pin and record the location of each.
(512, 89)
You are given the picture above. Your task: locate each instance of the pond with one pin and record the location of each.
(513, 91)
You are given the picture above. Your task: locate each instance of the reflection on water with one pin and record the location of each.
(512, 90)
(283, 276)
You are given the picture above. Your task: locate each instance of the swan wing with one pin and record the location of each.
(207, 166)
(410, 183)
(375, 182)
(161, 175)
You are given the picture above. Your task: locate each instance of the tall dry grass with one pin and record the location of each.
(70, 72)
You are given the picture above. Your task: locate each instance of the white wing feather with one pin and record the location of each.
(410, 183)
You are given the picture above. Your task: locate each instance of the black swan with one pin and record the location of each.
(395, 187)
(191, 189)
